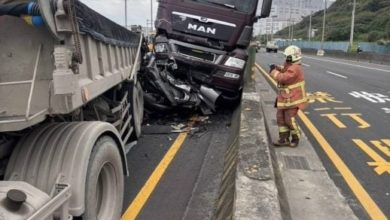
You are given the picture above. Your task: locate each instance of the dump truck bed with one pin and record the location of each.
(40, 72)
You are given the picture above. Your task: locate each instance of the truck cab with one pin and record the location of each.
(208, 39)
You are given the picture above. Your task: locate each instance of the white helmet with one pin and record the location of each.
(293, 54)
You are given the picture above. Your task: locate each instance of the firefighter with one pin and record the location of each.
(291, 96)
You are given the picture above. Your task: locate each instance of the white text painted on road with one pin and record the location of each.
(336, 74)
(371, 97)
(387, 110)
(348, 64)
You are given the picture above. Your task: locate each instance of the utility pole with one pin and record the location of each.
(352, 23)
(310, 26)
(151, 15)
(292, 30)
(323, 26)
(272, 27)
(125, 13)
(289, 21)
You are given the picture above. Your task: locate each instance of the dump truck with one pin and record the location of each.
(208, 41)
(70, 103)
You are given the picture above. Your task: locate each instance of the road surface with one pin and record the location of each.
(350, 107)
(178, 176)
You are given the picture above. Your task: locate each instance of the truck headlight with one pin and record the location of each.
(235, 62)
(161, 48)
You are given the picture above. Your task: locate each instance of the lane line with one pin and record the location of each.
(361, 194)
(336, 74)
(307, 65)
(143, 195)
(342, 108)
(322, 109)
(348, 64)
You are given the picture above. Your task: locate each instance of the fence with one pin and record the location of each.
(340, 46)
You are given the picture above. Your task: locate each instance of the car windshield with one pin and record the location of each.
(246, 6)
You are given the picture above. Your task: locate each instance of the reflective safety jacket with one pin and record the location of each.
(291, 86)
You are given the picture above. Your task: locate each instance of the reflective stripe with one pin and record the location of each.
(293, 86)
(296, 130)
(289, 104)
(296, 85)
(283, 129)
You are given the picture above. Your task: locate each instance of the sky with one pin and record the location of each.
(138, 10)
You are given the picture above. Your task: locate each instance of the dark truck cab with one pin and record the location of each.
(210, 37)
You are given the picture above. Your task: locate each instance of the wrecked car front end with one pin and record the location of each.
(165, 90)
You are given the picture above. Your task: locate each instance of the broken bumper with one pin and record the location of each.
(215, 68)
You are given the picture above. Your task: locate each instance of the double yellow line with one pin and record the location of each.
(361, 194)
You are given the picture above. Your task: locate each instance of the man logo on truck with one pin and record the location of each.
(203, 29)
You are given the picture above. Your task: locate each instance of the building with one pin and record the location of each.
(287, 12)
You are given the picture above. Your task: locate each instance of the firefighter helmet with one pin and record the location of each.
(293, 54)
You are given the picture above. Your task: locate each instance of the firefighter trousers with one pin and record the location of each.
(286, 121)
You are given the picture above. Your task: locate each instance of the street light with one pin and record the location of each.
(352, 23)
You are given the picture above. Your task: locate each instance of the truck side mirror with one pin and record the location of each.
(265, 10)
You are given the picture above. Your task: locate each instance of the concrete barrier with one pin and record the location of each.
(249, 187)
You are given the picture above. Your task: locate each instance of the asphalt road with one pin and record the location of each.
(188, 186)
(350, 106)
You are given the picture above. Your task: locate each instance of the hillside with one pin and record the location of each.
(372, 22)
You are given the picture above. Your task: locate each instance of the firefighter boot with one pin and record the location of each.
(294, 140)
(283, 140)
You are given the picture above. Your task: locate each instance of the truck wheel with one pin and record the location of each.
(137, 110)
(105, 182)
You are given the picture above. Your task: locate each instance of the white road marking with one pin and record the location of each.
(387, 110)
(306, 64)
(348, 64)
(335, 74)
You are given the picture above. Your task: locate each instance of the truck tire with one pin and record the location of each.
(74, 153)
(137, 109)
(105, 182)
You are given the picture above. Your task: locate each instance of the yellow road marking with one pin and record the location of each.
(322, 109)
(335, 120)
(358, 119)
(361, 194)
(143, 195)
(387, 142)
(384, 149)
(380, 164)
(342, 108)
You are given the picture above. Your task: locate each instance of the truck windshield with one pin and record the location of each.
(246, 6)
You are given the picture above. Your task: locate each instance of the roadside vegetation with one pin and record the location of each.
(372, 22)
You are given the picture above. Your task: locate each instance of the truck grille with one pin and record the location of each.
(196, 53)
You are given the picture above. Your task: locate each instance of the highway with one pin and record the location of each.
(178, 176)
(350, 107)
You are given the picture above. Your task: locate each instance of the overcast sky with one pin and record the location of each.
(138, 10)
